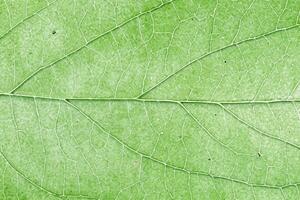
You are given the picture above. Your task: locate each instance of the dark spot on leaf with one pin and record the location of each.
(54, 32)
(209, 159)
(225, 61)
(215, 114)
(259, 154)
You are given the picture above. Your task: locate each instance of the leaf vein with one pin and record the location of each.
(88, 43)
(216, 51)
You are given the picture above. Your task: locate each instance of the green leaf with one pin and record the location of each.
(156, 99)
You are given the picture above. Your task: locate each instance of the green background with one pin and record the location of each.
(149, 99)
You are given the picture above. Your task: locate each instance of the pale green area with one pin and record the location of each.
(156, 99)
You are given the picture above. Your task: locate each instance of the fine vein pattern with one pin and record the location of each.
(157, 99)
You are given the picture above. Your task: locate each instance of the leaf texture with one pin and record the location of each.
(156, 99)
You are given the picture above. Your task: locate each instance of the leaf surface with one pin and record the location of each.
(157, 99)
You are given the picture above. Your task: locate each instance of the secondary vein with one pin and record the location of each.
(88, 43)
(234, 44)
